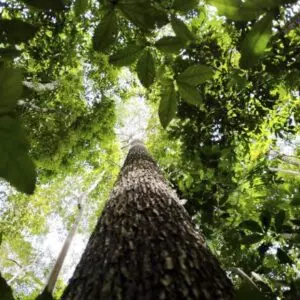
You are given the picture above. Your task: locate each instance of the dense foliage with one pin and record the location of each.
(223, 79)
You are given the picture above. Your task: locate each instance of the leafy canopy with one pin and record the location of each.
(222, 77)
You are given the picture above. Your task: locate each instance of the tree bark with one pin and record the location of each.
(145, 246)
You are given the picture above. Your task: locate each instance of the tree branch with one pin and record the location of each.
(243, 275)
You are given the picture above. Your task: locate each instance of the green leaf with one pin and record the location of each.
(181, 30)
(236, 10)
(5, 290)
(255, 42)
(159, 17)
(251, 225)
(237, 81)
(265, 218)
(80, 7)
(283, 257)
(142, 14)
(146, 68)
(135, 13)
(126, 56)
(56, 5)
(106, 32)
(16, 31)
(247, 291)
(15, 165)
(170, 44)
(189, 93)
(10, 88)
(195, 75)
(279, 220)
(185, 5)
(168, 104)
(252, 239)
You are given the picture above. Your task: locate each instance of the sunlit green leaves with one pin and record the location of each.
(237, 81)
(189, 78)
(127, 55)
(10, 88)
(255, 42)
(81, 6)
(189, 93)
(106, 32)
(5, 290)
(170, 44)
(146, 68)
(195, 74)
(236, 9)
(185, 5)
(16, 31)
(56, 5)
(181, 30)
(209, 162)
(168, 103)
(15, 165)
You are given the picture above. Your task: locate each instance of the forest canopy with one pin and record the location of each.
(212, 87)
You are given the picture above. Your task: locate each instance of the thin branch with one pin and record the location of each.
(16, 276)
(291, 172)
(290, 159)
(41, 87)
(243, 275)
(14, 261)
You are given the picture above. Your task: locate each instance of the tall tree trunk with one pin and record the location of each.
(145, 246)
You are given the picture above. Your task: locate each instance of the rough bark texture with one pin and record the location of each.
(145, 246)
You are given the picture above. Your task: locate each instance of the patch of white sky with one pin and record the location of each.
(133, 113)
(47, 247)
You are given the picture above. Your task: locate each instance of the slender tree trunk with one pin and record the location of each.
(145, 246)
(65, 248)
